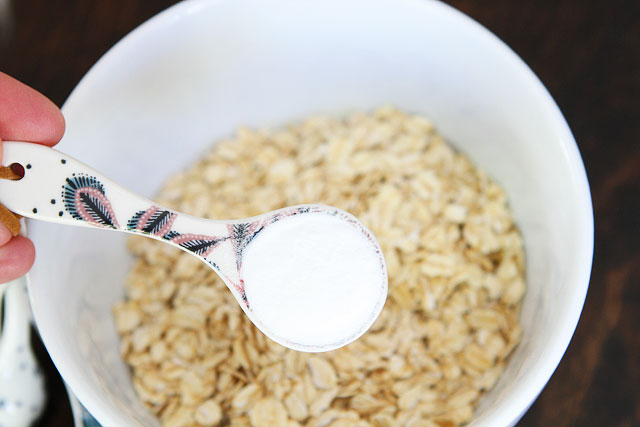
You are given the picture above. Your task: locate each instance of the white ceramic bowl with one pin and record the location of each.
(193, 73)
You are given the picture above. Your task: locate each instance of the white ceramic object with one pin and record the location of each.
(81, 417)
(22, 393)
(195, 72)
(58, 188)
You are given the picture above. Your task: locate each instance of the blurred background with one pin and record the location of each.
(586, 52)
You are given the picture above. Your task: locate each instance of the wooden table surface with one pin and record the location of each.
(587, 53)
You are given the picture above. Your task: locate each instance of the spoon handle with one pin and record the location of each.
(21, 381)
(57, 188)
(17, 317)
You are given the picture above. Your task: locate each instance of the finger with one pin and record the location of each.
(5, 234)
(27, 115)
(16, 258)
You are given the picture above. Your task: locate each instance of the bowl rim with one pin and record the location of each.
(518, 404)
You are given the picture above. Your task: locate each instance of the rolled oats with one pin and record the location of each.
(208, 413)
(268, 412)
(454, 259)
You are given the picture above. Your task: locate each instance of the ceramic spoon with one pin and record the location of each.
(57, 188)
(21, 383)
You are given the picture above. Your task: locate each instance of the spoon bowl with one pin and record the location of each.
(310, 277)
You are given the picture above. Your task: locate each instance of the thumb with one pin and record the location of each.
(16, 258)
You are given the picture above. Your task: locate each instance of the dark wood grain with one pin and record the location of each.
(587, 53)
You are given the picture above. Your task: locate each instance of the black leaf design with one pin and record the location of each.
(96, 209)
(170, 235)
(157, 221)
(84, 198)
(200, 246)
(132, 224)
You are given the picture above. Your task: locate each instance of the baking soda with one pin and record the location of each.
(316, 280)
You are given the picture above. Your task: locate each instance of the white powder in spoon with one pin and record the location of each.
(315, 280)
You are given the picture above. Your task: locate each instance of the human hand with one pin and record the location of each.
(25, 115)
